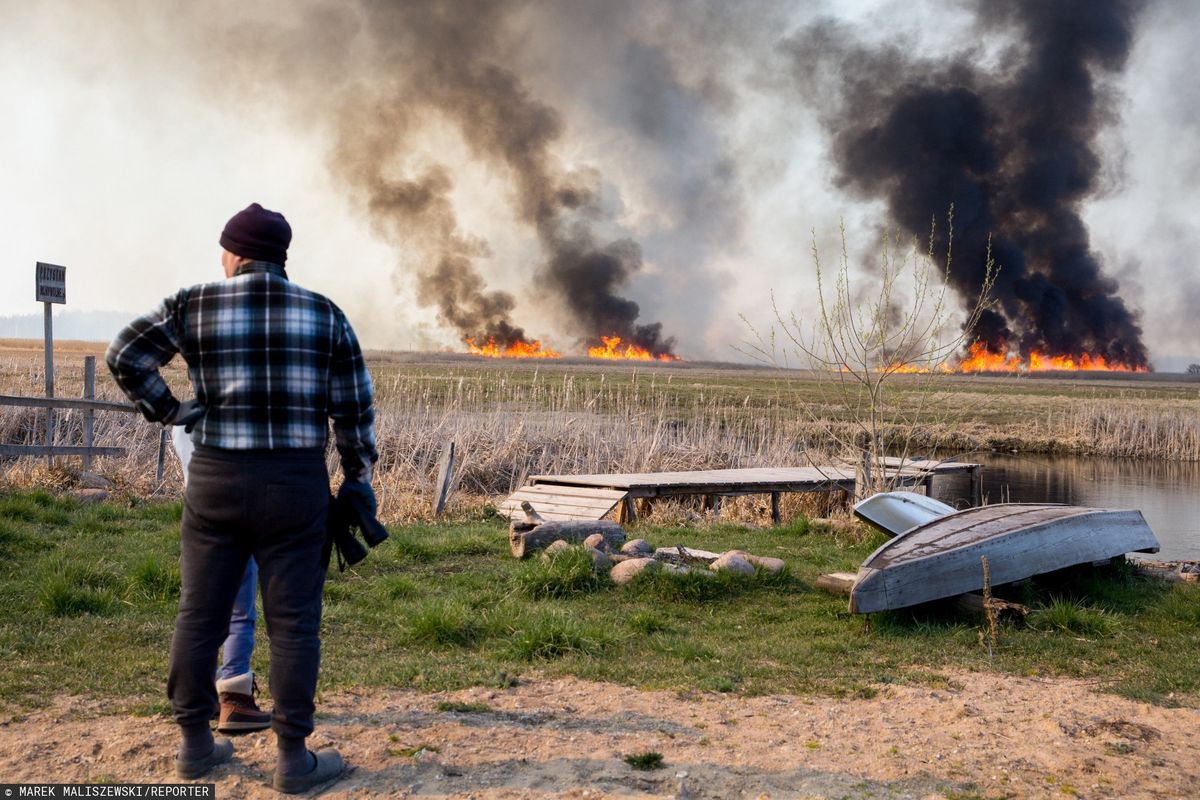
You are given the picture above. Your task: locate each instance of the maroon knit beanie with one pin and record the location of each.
(259, 234)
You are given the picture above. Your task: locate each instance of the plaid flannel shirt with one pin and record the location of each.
(270, 361)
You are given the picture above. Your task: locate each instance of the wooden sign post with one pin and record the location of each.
(51, 281)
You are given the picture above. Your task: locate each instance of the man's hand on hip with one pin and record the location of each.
(187, 414)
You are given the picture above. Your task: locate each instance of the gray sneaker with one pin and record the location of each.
(327, 766)
(197, 768)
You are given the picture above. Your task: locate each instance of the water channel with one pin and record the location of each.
(1167, 493)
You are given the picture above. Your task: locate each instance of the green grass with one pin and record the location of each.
(565, 574)
(646, 760)
(454, 707)
(442, 607)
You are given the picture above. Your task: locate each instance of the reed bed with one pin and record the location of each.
(512, 421)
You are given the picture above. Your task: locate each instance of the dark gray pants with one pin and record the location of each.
(270, 504)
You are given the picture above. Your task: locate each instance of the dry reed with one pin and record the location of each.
(513, 422)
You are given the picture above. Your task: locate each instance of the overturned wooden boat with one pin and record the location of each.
(941, 558)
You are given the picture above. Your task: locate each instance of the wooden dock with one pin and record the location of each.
(594, 496)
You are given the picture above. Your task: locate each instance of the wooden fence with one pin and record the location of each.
(89, 405)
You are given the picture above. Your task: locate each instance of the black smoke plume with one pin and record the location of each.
(1013, 148)
(445, 61)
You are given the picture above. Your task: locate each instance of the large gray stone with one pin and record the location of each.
(767, 563)
(732, 562)
(636, 547)
(628, 570)
(91, 495)
(556, 547)
(90, 480)
(600, 559)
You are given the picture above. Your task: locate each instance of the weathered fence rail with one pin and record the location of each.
(89, 405)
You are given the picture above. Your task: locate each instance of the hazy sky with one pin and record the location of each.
(135, 129)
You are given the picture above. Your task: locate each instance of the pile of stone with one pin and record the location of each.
(605, 542)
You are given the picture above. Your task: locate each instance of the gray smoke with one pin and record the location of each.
(447, 60)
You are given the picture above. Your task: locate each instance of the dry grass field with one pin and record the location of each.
(511, 419)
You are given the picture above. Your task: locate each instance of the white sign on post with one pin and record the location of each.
(51, 283)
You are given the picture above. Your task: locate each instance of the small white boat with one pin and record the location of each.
(896, 512)
(941, 558)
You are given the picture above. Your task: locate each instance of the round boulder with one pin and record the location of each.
(732, 562)
(636, 547)
(772, 565)
(600, 559)
(596, 540)
(628, 570)
(91, 495)
(555, 547)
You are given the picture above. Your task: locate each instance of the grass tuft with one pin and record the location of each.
(647, 760)
(455, 707)
(1074, 617)
(696, 586)
(647, 622)
(566, 574)
(153, 579)
(547, 636)
(395, 587)
(446, 624)
(61, 598)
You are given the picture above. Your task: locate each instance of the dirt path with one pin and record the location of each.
(988, 736)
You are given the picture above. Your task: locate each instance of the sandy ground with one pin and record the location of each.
(987, 736)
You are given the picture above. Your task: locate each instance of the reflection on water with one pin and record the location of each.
(1167, 493)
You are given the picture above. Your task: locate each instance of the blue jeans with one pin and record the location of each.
(239, 644)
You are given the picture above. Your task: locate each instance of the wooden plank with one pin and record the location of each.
(517, 515)
(63, 402)
(837, 582)
(441, 486)
(58, 450)
(1004, 610)
(513, 509)
(584, 492)
(552, 503)
(559, 500)
(161, 466)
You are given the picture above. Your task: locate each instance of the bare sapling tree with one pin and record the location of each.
(880, 352)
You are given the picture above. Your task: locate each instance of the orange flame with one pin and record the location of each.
(490, 349)
(980, 359)
(983, 360)
(612, 349)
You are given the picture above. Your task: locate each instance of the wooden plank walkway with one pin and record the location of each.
(563, 502)
(561, 494)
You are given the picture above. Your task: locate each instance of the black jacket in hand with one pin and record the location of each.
(353, 509)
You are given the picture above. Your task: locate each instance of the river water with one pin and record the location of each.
(1167, 493)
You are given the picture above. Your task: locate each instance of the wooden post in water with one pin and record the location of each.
(976, 485)
(89, 416)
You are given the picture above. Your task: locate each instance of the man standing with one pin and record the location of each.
(271, 364)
